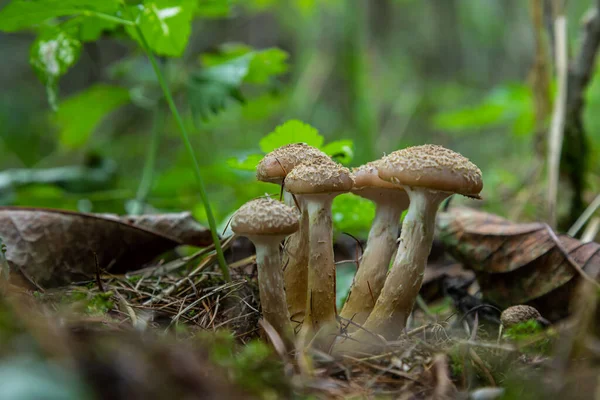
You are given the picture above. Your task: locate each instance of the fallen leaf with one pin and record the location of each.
(54, 247)
(518, 263)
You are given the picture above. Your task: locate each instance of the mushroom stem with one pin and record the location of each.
(270, 284)
(374, 264)
(403, 282)
(320, 298)
(295, 263)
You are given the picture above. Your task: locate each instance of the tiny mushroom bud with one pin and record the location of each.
(390, 200)
(266, 222)
(319, 182)
(429, 174)
(273, 168)
(522, 313)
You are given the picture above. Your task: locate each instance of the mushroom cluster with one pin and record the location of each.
(300, 289)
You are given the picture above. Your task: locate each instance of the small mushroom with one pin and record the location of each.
(319, 182)
(266, 222)
(429, 174)
(390, 200)
(273, 168)
(521, 313)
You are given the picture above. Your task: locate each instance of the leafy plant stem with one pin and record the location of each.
(188, 146)
(108, 17)
(148, 172)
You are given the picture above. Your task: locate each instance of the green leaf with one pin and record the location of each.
(166, 25)
(263, 64)
(266, 64)
(51, 55)
(292, 131)
(91, 28)
(211, 89)
(352, 214)
(510, 105)
(20, 14)
(340, 150)
(79, 115)
(213, 8)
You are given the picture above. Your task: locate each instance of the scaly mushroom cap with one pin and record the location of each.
(265, 216)
(367, 176)
(277, 164)
(433, 167)
(519, 314)
(319, 176)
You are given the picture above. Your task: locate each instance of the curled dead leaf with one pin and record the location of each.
(518, 263)
(53, 247)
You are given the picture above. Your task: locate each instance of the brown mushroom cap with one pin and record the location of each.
(433, 167)
(319, 176)
(519, 314)
(277, 164)
(265, 216)
(367, 176)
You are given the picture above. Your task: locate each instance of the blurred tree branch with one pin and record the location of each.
(576, 150)
(580, 69)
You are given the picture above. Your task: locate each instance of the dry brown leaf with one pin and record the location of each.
(53, 247)
(518, 263)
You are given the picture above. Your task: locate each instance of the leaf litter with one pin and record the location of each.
(157, 332)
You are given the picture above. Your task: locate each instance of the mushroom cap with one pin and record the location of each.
(367, 176)
(518, 314)
(319, 176)
(265, 216)
(433, 167)
(277, 164)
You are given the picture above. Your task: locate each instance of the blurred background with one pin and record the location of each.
(383, 74)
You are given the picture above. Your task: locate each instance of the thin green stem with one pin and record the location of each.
(109, 17)
(148, 172)
(188, 146)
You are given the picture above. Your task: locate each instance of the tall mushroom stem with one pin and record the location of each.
(374, 265)
(403, 282)
(270, 284)
(295, 263)
(320, 300)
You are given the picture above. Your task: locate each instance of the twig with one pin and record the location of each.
(558, 115)
(591, 231)
(570, 259)
(583, 218)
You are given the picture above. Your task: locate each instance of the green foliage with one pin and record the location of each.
(510, 105)
(80, 114)
(292, 131)
(52, 54)
(98, 304)
(352, 214)
(217, 84)
(530, 334)
(252, 366)
(22, 14)
(166, 25)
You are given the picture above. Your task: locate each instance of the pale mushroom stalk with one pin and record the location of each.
(429, 174)
(266, 222)
(403, 282)
(375, 261)
(270, 283)
(273, 168)
(320, 298)
(319, 182)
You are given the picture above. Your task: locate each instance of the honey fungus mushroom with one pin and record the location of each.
(390, 200)
(273, 168)
(521, 313)
(429, 174)
(266, 222)
(319, 182)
